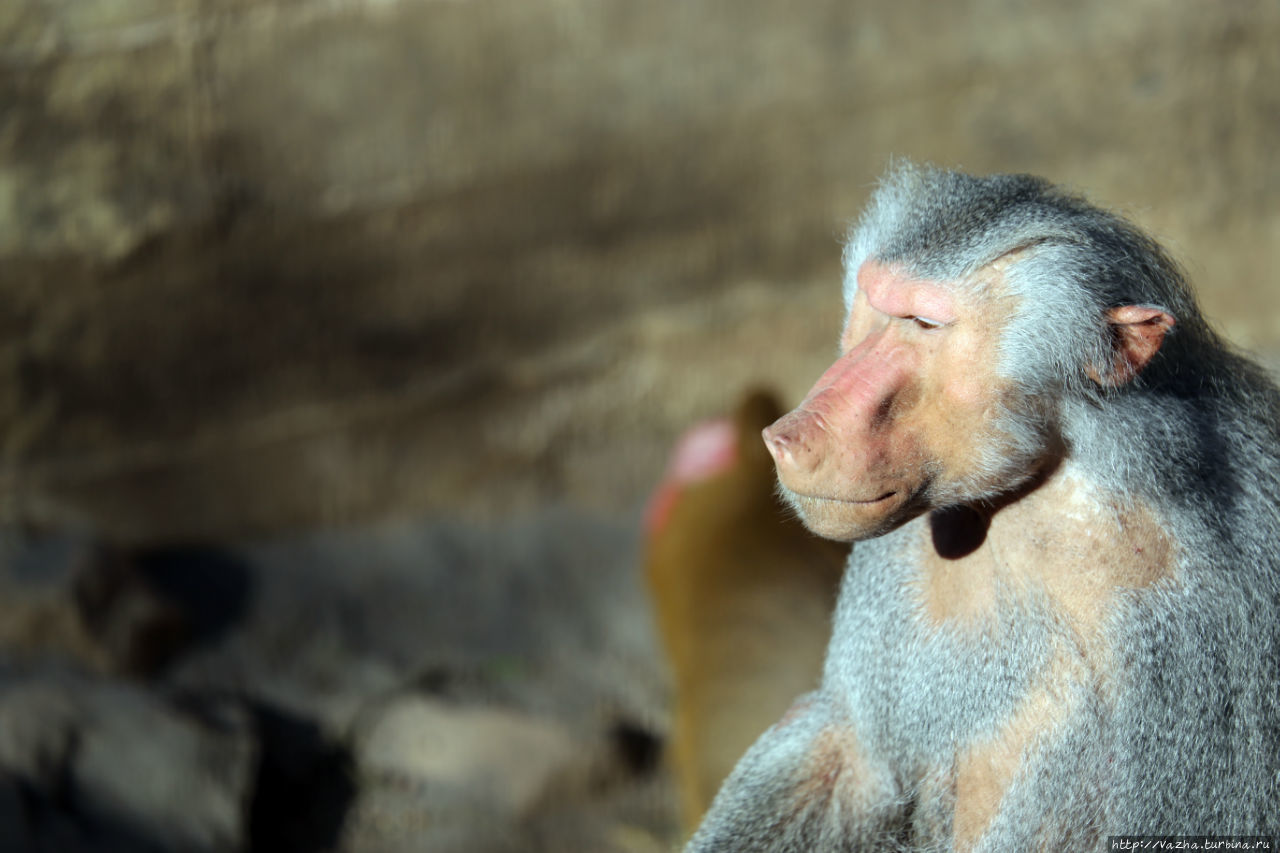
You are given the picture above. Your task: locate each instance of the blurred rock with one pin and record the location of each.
(505, 760)
(43, 625)
(93, 606)
(40, 619)
(107, 767)
(135, 628)
(544, 611)
(438, 685)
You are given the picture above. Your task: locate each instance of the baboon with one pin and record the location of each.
(1064, 623)
(743, 596)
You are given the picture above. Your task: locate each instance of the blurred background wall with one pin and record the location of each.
(295, 262)
(274, 267)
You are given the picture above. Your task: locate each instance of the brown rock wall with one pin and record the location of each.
(299, 262)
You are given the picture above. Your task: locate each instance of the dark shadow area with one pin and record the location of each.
(304, 786)
(147, 607)
(638, 748)
(211, 586)
(958, 531)
(52, 826)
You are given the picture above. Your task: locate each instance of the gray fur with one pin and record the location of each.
(1193, 735)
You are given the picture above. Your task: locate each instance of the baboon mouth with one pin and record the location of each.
(850, 501)
(880, 499)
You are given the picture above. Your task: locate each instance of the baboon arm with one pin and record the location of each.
(806, 784)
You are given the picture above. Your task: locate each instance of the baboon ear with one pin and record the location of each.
(1136, 335)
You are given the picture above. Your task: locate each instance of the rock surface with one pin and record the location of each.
(302, 262)
(436, 686)
(105, 767)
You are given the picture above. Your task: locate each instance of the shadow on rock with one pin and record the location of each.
(146, 607)
(304, 789)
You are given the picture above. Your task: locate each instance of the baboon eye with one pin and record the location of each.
(925, 322)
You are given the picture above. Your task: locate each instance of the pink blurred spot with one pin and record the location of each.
(704, 451)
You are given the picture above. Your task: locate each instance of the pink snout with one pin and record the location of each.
(843, 416)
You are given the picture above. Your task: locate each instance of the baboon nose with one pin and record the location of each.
(776, 442)
(792, 444)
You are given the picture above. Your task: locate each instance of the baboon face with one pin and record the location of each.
(908, 414)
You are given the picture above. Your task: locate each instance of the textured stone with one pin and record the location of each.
(110, 767)
(301, 261)
(503, 759)
(441, 686)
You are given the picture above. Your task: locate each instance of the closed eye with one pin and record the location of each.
(925, 322)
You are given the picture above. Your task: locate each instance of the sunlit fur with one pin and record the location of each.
(1182, 733)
